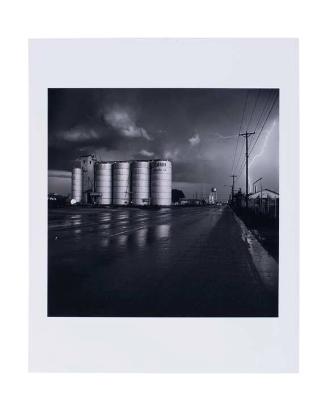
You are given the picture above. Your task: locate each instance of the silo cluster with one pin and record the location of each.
(102, 182)
(140, 176)
(161, 177)
(77, 185)
(122, 183)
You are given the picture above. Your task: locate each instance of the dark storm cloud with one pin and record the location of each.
(196, 128)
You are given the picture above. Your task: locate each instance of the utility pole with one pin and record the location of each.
(246, 136)
(233, 184)
(229, 186)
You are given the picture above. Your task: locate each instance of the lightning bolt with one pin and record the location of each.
(266, 135)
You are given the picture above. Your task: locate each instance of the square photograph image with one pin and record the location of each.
(163, 202)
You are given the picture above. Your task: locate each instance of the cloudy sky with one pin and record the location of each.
(196, 128)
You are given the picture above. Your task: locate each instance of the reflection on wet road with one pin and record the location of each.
(166, 262)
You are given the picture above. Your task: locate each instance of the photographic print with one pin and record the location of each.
(158, 240)
(163, 202)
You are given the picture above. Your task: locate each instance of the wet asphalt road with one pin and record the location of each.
(178, 262)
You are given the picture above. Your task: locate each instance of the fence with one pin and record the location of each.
(265, 206)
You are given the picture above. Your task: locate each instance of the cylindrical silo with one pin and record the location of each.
(121, 183)
(77, 184)
(140, 181)
(102, 182)
(161, 182)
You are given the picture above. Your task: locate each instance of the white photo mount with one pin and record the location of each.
(165, 344)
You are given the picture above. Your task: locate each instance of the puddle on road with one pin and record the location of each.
(141, 237)
(122, 240)
(265, 264)
(104, 242)
(162, 231)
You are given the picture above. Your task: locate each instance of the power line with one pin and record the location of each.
(238, 136)
(271, 108)
(239, 161)
(253, 110)
(241, 168)
(241, 164)
(239, 158)
(244, 109)
(233, 185)
(246, 136)
(264, 110)
(258, 136)
(247, 128)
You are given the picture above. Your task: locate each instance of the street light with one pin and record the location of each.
(255, 183)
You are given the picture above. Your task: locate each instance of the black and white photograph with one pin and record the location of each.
(163, 202)
(162, 236)
(163, 205)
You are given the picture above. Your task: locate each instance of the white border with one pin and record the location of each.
(165, 344)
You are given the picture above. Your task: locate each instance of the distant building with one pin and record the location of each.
(265, 202)
(190, 202)
(87, 166)
(55, 200)
(264, 194)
